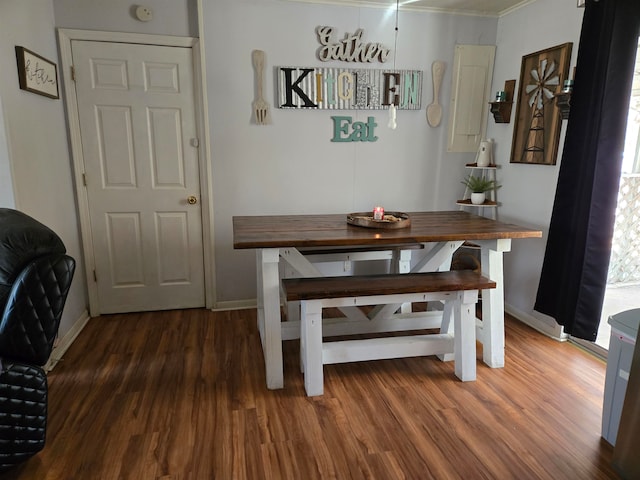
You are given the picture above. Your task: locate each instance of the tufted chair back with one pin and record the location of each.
(33, 309)
(35, 277)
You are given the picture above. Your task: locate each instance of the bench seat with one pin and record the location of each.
(458, 290)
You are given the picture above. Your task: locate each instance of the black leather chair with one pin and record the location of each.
(35, 276)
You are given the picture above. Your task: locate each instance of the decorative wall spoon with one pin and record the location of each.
(434, 111)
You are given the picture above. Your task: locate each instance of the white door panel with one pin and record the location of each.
(137, 119)
(470, 95)
(124, 245)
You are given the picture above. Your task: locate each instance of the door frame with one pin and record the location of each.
(65, 37)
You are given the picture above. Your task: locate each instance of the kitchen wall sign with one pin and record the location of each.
(348, 88)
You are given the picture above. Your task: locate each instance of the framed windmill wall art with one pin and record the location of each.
(538, 120)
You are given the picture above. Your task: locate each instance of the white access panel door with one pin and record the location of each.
(138, 129)
(470, 96)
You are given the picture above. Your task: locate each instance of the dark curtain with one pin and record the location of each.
(576, 261)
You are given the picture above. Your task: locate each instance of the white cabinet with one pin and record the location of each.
(470, 94)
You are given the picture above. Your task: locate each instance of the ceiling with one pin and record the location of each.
(467, 7)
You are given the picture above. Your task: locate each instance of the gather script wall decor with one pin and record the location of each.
(538, 120)
(37, 74)
(350, 49)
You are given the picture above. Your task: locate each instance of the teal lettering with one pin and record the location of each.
(330, 82)
(371, 125)
(359, 132)
(341, 125)
(411, 86)
(346, 130)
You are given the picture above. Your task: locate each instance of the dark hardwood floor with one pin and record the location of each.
(181, 395)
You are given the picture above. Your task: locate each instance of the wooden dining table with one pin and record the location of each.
(283, 238)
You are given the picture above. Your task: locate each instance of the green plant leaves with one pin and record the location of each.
(479, 184)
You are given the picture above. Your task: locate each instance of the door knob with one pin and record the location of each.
(192, 200)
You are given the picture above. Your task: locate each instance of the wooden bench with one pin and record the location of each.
(457, 289)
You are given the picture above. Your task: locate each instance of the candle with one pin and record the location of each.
(567, 86)
(378, 213)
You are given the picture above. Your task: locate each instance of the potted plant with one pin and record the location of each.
(479, 186)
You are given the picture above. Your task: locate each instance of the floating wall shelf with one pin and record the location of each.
(502, 110)
(563, 102)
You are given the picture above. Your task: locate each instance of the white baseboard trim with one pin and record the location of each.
(65, 342)
(553, 331)
(234, 305)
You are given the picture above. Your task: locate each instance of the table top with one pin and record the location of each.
(275, 231)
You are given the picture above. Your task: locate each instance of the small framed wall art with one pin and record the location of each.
(538, 120)
(37, 74)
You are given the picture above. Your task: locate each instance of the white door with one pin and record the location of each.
(138, 131)
(470, 95)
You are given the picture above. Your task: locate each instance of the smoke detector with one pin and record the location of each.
(144, 14)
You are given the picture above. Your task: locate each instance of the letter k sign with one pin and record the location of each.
(291, 87)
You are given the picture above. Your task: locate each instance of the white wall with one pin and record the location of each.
(170, 17)
(7, 199)
(528, 191)
(36, 133)
(292, 166)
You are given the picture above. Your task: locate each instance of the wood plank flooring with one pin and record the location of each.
(181, 395)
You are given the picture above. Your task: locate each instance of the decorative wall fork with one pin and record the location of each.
(260, 106)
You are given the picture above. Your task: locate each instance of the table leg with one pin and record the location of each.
(492, 336)
(401, 263)
(269, 315)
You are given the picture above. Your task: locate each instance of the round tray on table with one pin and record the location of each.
(391, 220)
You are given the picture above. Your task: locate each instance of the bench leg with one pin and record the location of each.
(311, 346)
(447, 327)
(464, 337)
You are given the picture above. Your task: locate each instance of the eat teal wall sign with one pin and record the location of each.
(346, 130)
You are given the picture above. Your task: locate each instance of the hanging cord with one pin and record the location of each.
(392, 108)
(395, 44)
